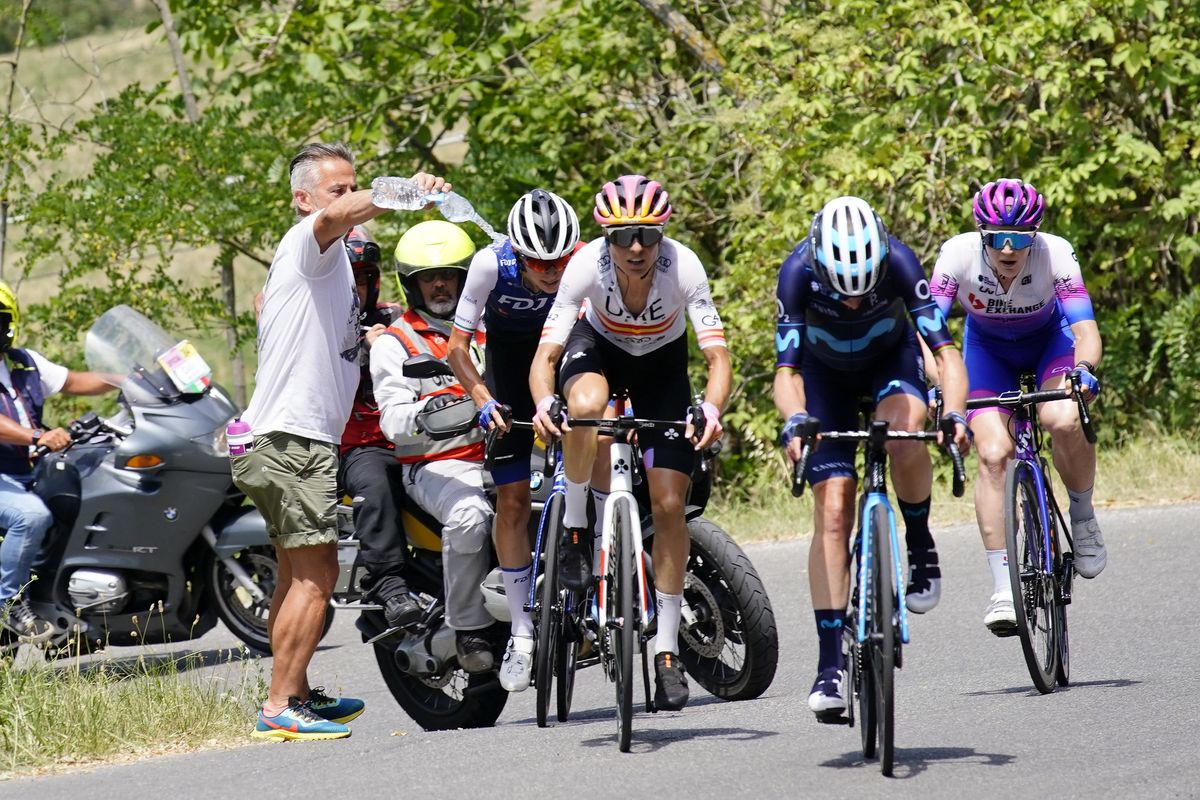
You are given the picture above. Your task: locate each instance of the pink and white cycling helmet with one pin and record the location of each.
(1008, 203)
(631, 200)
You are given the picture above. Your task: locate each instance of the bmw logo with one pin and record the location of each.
(171, 513)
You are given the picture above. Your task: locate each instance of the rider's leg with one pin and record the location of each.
(27, 520)
(587, 396)
(994, 448)
(452, 491)
(513, 550)
(668, 488)
(1075, 461)
(374, 478)
(829, 584)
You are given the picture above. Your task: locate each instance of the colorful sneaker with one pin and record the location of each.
(827, 699)
(517, 666)
(339, 709)
(670, 684)
(297, 721)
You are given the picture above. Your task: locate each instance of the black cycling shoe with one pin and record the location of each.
(474, 650)
(20, 620)
(575, 559)
(401, 610)
(924, 581)
(670, 684)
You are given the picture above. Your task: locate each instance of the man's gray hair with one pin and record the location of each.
(303, 165)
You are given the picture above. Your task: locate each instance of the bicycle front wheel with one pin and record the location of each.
(883, 640)
(621, 630)
(549, 611)
(1031, 578)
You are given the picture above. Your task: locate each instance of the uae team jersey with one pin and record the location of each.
(495, 293)
(679, 287)
(1047, 294)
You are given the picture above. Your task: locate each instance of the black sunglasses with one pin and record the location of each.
(624, 236)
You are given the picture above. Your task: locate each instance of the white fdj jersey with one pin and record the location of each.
(1048, 290)
(678, 284)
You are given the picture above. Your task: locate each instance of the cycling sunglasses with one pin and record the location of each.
(538, 265)
(1017, 240)
(625, 235)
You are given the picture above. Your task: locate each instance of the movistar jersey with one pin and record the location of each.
(814, 322)
(495, 293)
(1046, 295)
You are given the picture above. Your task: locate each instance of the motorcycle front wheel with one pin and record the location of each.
(728, 640)
(246, 617)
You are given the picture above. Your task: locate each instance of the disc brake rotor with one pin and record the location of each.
(704, 642)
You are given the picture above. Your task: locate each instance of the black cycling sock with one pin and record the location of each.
(829, 638)
(916, 525)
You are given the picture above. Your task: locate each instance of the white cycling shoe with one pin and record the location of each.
(1001, 616)
(1090, 555)
(517, 667)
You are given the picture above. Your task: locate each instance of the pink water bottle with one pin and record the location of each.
(239, 437)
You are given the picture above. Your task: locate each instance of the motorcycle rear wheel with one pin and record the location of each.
(463, 701)
(245, 617)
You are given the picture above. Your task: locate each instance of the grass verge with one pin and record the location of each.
(1151, 470)
(82, 711)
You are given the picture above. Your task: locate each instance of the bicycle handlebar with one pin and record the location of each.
(945, 427)
(1018, 398)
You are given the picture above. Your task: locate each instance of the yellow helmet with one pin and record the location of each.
(435, 244)
(10, 317)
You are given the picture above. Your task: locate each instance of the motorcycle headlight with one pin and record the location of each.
(213, 442)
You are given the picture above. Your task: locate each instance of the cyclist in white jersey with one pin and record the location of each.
(1027, 311)
(639, 285)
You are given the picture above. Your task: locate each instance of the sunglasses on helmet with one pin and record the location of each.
(625, 235)
(1017, 240)
(538, 265)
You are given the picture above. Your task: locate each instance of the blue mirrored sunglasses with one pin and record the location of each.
(1017, 240)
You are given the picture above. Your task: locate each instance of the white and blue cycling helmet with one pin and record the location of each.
(849, 246)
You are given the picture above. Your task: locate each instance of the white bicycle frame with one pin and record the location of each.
(621, 491)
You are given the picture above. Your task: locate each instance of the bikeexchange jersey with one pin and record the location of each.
(494, 293)
(814, 321)
(1046, 295)
(678, 284)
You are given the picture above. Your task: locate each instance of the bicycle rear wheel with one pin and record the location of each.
(1062, 578)
(620, 589)
(1032, 582)
(882, 625)
(549, 617)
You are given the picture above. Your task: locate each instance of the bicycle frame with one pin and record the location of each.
(557, 487)
(621, 491)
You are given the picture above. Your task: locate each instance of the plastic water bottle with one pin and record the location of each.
(238, 437)
(456, 208)
(402, 194)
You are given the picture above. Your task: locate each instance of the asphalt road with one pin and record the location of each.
(968, 722)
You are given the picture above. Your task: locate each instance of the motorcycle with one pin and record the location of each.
(147, 521)
(729, 640)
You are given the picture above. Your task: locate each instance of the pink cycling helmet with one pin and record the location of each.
(631, 200)
(1008, 203)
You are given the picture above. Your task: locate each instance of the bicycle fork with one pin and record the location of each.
(866, 556)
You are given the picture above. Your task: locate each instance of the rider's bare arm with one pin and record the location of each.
(541, 385)
(790, 399)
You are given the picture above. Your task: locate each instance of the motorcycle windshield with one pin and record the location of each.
(144, 361)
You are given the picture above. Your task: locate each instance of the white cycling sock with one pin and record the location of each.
(575, 505)
(998, 562)
(1081, 505)
(516, 592)
(598, 498)
(667, 609)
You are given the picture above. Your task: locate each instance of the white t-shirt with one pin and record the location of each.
(678, 290)
(54, 377)
(307, 340)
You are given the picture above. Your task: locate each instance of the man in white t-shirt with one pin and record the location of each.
(308, 343)
(27, 379)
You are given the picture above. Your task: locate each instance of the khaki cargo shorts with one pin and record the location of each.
(292, 480)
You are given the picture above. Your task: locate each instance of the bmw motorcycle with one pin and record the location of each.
(147, 521)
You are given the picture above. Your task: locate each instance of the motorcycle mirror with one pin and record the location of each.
(425, 366)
